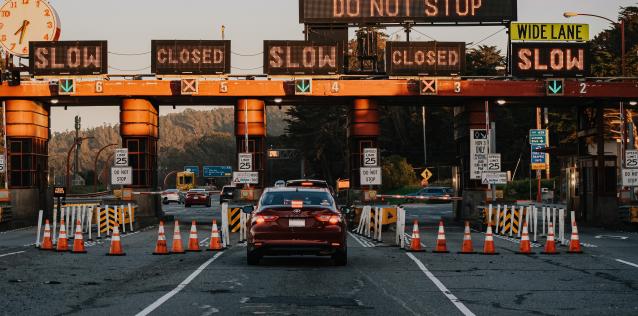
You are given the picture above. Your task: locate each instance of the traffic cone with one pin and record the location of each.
(488, 247)
(63, 240)
(415, 245)
(116, 244)
(550, 245)
(574, 243)
(193, 242)
(78, 240)
(441, 245)
(47, 243)
(161, 248)
(177, 240)
(526, 245)
(215, 240)
(467, 247)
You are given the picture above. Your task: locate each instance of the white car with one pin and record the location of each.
(170, 195)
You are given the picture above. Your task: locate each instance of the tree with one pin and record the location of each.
(484, 61)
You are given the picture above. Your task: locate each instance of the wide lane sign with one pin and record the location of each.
(494, 178)
(425, 58)
(199, 57)
(302, 58)
(547, 32)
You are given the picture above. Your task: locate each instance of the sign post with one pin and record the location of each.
(630, 171)
(478, 152)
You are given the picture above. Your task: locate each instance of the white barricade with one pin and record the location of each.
(399, 239)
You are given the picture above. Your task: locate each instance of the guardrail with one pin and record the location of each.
(420, 198)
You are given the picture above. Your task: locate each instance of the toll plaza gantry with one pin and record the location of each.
(28, 107)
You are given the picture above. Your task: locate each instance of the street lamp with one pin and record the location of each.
(68, 158)
(95, 165)
(620, 24)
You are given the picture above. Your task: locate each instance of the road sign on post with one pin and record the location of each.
(217, 171)
(303, 86)
(493, 163)
(494, 178)
(630, 177)
(245, 162)
(478, 153)
(246, 177)
(122, 176)
(370, 176)
(426, 174)
(3, 167)
(555, 87)
(370, 157)
(121, 157)
(193, 169)
(631, 159)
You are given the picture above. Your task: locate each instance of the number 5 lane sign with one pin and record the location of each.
(122, 176)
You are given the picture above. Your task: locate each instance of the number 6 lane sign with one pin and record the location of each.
(121, 157)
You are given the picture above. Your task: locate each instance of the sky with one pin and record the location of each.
(130, 25)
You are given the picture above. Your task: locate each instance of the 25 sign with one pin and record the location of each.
(631, 159)
(121, 157)
(370, 157)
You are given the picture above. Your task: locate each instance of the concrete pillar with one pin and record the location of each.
(468, 117)
(139, 128)
(28, 165)
(363, 132)
(250, 129)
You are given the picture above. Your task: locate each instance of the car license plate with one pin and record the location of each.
(195, 198)
(296, 223)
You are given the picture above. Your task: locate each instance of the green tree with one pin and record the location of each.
(397, 173)
(484, 61)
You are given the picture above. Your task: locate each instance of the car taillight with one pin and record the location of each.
(331, 219)
(260, 219)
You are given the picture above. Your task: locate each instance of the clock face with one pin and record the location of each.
(22, 21)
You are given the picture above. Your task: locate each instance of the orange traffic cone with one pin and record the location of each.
(415, 245)
(574, 243)
(441, 245)
(526, 245)
(78, 240)
(116, 243)
(215, 240)
(161, 248)
(177, 240)
(550, 245)
(467, 247)
(488, 247)
(63, 240)
(193, 242)
(47, 243)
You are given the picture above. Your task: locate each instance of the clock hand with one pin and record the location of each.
(22, 30)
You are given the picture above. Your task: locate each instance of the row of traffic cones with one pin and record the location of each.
(78, 241)
(161, 248)
(489, 249)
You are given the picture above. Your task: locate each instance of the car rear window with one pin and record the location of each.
(286, 198)
(313, 184)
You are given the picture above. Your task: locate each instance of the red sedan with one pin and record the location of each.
(197, 197)
(296, 221)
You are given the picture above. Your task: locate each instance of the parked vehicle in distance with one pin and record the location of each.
(434, 194)
(197, 197)
(227, 194)
(170, 195)
(309, 183)
(185, 180)
(280, 184)
(296, 221)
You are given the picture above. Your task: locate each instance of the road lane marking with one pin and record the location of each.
(461, 307)
(362, 241)
(12, 253)
(180, 287)
(627, 263)
(357, 239)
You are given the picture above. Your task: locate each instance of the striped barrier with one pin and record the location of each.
(5, 214)
(115, 216)
(234, 219)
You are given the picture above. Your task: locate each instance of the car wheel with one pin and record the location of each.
(252, 258)
(165, 201)
(340, 257)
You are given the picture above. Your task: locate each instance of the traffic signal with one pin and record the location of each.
(303, 86)
(66, 86)
(555, 87)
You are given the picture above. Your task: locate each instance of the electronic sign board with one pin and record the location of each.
(425, 58)
(403, 11)
(550, 59)
(302, 58)
(549, 32)
(75, 58)
(199, 57)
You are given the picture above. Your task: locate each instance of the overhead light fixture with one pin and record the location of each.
(278, 100)
(570, 14)
(500, 102)
(633, 103)
(55, 101)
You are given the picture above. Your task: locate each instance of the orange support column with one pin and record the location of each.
(250, 130)
(363, 133)
(139, 128)
(28, 164)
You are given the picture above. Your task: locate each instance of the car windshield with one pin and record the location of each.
(308, 198)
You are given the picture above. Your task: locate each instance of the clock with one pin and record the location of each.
(22, 21)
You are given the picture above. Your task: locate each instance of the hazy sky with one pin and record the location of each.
(130, 25)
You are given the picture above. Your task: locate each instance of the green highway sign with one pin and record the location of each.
(555, 87)
(66, 86)
(303, 86)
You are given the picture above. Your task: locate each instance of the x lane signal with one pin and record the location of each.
(190, 86)
(428, 87)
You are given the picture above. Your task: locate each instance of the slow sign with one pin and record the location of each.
(400, 11)
(68, 58)
(550, 59)
(174, 57)
(301, 57)
(424, 58)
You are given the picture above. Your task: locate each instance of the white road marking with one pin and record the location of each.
(611, 237)
(588, 245)
(357, 239)
(461, 307)
(12, 253)
(627, 263)
(180, 287)
(408, 240)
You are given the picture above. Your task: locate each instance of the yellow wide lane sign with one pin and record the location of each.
(549, 32)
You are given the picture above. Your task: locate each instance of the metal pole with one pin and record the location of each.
(425, 139)
(6, 154)
(623, 135)
(622, 47)
(246, 125)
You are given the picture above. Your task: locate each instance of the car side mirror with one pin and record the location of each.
(248, 209)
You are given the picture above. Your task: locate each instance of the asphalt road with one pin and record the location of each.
(379, 278)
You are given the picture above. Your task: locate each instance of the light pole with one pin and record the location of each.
(95, 176)
(620, 24)
(78, 141)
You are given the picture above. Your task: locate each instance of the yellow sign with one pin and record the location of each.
(549, 32)
(539, 166)
(426, 174)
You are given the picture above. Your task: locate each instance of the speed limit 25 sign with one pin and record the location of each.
(631, 159)
(121, 157)
(370, 157)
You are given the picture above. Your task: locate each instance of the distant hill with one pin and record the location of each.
(189, 137)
